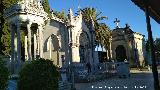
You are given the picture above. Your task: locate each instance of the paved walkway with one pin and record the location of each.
(139, 80)
(12, 85)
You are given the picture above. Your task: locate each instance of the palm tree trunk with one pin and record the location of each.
(109, 53)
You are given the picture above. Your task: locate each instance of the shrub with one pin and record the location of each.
(4, 75)
(39, 74)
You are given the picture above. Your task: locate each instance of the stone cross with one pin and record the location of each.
(117, 23)
(127, 26)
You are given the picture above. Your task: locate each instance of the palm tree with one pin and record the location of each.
(103, 37)
(90, 14)
(102, 31)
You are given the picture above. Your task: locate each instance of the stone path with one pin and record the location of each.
(139, 80)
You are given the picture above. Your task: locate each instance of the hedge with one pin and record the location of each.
(4, 75)
(39, 74)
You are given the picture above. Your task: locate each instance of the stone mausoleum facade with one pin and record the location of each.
(49, 38)
(129, 45)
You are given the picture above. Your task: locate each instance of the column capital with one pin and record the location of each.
(41, 24)
(59, 41)
(29, 22)
(17, 25)
(13, 22)
(11, 26)
(71, 44)
(41, 27)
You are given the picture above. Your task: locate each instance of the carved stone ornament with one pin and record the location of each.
(26, 7)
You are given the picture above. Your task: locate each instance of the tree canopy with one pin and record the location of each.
(46, 7)
(101, 29)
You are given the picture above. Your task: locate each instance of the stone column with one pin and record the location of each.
(26, 50)
(35, 45)
(18, 44)
(60, 57)
(29, 41)
(41, 41)
(58, 52)
(107, 51)
(50, 49)
(38, 42)
(15, 47)
(12, 48)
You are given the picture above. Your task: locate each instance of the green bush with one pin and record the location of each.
(38, 74)
(4, 75)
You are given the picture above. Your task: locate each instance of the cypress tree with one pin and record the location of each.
(46, 7)
(4, 32)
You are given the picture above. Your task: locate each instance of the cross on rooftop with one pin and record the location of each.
(117, 23)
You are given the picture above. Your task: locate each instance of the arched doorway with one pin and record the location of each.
(120, 53)
(83, 48)
(52, 49)
(55, 49)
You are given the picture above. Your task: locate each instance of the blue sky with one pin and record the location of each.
(124, 10)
